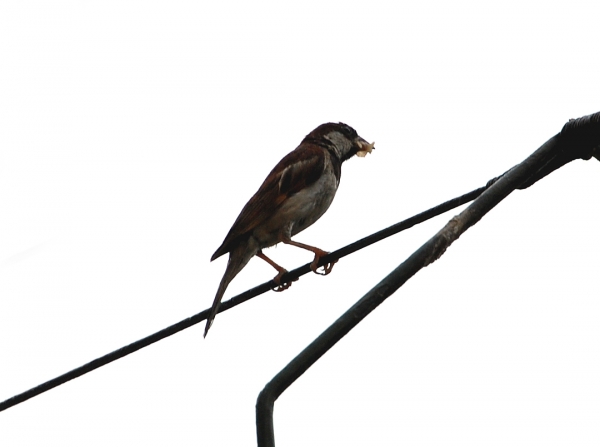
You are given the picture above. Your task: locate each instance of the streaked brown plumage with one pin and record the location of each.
(294, 195)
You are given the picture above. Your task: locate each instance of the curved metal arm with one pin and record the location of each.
(578, 139)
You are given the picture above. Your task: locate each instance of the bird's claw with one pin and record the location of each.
(281, 287)
(327, 268)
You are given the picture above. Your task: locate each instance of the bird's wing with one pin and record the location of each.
(297, 170)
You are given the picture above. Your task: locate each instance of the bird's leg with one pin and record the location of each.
(280, 287)
(318, 255)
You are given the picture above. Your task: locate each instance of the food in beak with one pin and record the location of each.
(365, 149)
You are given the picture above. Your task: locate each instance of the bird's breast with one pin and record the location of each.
(300, 210)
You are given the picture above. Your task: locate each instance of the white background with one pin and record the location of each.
(132, 134)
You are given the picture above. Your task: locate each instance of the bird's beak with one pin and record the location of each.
(364, 148)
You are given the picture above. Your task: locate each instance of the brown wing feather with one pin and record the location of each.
(297, 170)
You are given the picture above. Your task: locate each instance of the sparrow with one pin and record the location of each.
(294, 195)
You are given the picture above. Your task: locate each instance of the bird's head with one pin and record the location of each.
(341, 140)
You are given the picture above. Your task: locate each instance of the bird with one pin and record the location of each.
(295, 194)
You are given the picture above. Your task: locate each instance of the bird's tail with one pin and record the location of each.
(238, 258)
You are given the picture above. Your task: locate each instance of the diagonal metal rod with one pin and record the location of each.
(425, 255)
(239, 299)
(579, 138)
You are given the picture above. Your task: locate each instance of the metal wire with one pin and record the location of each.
(587, 123)
(239, 299)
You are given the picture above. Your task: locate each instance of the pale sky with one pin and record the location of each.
(132, 133)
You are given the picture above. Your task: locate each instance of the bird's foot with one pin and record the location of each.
(326, 268)
(281, 287)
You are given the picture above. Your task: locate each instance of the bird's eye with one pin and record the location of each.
(348, 131)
